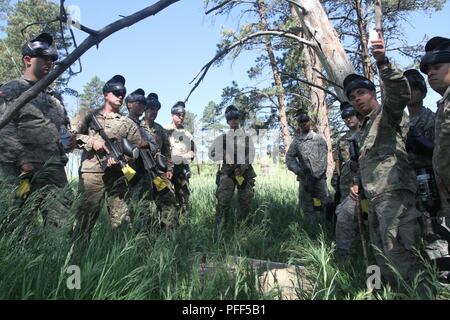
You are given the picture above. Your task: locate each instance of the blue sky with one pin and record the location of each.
(164, 52)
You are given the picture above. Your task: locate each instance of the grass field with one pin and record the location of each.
(165, 265)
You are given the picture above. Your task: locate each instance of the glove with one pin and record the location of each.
(24, 186)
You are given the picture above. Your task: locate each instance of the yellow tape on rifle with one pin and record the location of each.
(317, 202)
(24, 188)
(240, 180)
(128, 172)
(160, 184)
(365, 206)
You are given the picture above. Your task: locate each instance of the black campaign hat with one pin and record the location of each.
(415, 79)
(136, 96)
(231, 112)
(40, 46)
(178, 108)
(347, 110)
(302, 116)
(437, 50)
(354, 81)
(152, 101)
(116, 83)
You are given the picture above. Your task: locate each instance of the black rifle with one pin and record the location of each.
(182, 171)
(153, 166)
(354, 156)
(115, 151)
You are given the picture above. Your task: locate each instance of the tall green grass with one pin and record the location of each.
(161, 264)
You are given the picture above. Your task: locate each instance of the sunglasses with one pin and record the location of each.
(348, 113)
(119, 93)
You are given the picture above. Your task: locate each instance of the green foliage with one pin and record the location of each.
(162, 264)
(190, 121)
(212, 115)
(92, 96)
(20, 15)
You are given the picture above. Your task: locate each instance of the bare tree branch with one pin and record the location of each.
(201, 75)
(220, 5)
(310, 84)
(90, 41)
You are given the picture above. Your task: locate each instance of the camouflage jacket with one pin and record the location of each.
(383, 161)
(423, 123)
(345, 170)
(182, 144)
(441, 158)
(234, 149)
(34, 134)
(160, 135)
(308, 153)
(116, 127)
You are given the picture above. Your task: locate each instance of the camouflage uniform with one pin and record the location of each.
(96, 184)
(307, 158)
(423, 124)
(236, 150)
(34, 136)
(165, 199)
(346, 223)
(388, 180)
(441, 161)
(441, 167)
(182, 143)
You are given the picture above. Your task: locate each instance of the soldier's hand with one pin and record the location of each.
(111, 162)
(169, 175)
(354, 192)
(99, 145)
(26, 167)
(378, 48)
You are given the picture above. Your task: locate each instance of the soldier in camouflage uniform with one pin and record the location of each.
(182, 143)
(307, 158)
(345, 171)
(164, 191)
(236, 151)
(141, 192)
(387, 179)
(436, 65)
(420, 144)
(31, 150)
(100, 175)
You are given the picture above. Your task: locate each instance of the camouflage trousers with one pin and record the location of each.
(224, 195)
(435, 234)
(313, 204)
(395, 233)
(346, 228)
(142, 201)
(46, 193)
(96, 187)
(166, 203)
(182, 194)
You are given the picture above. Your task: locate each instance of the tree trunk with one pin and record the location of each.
(262, 11)
(318, 103)
(330, 52)
(363, 41)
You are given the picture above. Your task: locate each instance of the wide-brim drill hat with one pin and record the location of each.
(437, 50)
(40, 46)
